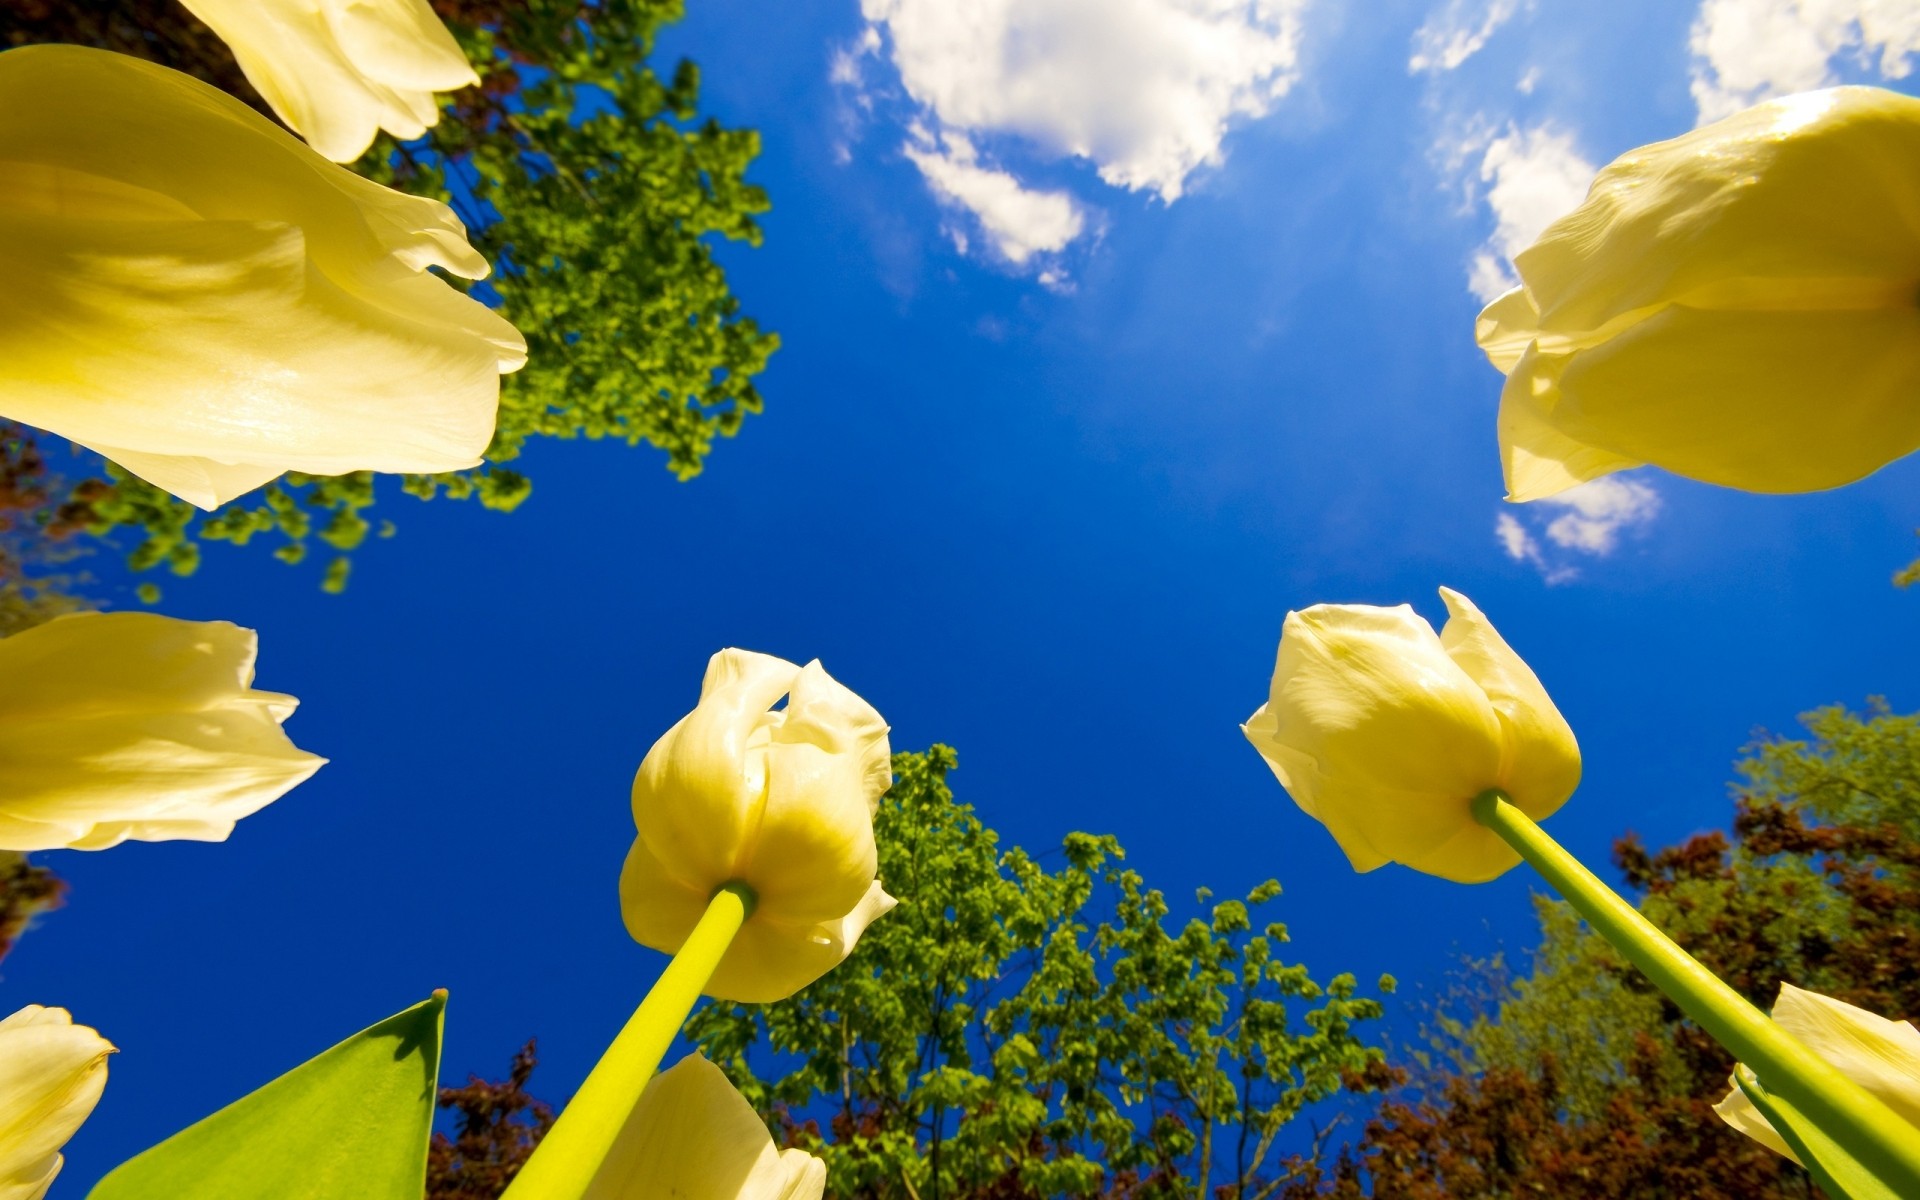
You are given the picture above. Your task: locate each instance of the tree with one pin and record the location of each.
(1587, 1082)
(1013, 1031)
(498, 1126)
(595, 190)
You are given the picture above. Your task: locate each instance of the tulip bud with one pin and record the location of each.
(337, 71)
(133, 725)
(51, 1075)
(1738, 305)
(1385, 732)
(693, 1135)
(1881, 1056)
(779, 800)
(204, 300)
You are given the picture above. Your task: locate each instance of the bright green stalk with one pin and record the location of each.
(570, 1154)
(1874, 1134)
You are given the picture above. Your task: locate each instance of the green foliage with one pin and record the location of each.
(1012, 1030)
(1857, 768)
(351, 1124)
(593, 188)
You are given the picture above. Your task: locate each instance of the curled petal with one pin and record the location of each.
(1538, 458)
(771, 960)
(1540, 760)
(133, 725)
(339, 71)
(701, 790)
(692, 1136)
(51, 1075)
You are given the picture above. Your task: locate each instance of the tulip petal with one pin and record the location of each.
(336, 71)
(771, 960)
(813, 856)
(1820, 186)
(1540, 762)
(1765, 401)
(133, 725)
(701, 789)
(1537, 457)
(51, 1075)
(228, 332)
(659, 910)
(1506, 327)
(693, 1136)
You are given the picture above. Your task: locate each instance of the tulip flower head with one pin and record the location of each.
(1384, 732)
(133, 725)
(1739, 305)
(51, 1075)
(338, 71)
(693, 1136)
(1881, 1056)
(204, 300)
(780, 800)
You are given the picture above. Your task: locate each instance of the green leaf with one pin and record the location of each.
(1832, 1166)
(351, 1124)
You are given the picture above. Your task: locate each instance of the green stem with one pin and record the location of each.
(568, 1157)
(1877, 1136)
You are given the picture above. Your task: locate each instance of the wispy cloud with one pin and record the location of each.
(1531, 178)
(1584, 521)
(1457, 32)
(1020, 222)
(1144, 90)
(1745, 51)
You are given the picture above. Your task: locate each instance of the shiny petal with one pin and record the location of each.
(1819, 186)
(813, 855)
(51, 1075)
(659, 910)
(234, 307)
(338, 71)
(1765, 401)
(132, 725)
(1540, 760)
(771, 960)
(691, 1136)
(1538, 458)
(1506, 328)
(701, 789)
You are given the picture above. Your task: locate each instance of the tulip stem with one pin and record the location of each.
(563, 1166)
(1878, 1137)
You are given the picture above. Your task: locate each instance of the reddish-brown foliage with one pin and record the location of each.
(498, 1127)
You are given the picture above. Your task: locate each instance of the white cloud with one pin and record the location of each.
(1532, 177)
(1585, 520)
(1019, 221)
(1144, 90)
(1454, 34)
(1745, 51)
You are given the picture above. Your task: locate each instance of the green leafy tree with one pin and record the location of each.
(1012, 1030)
(1584, 1081)
(592, 185)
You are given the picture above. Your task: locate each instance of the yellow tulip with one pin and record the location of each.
(781, 801)
(51, 1075)
(1384, 732)
(1881, 1056)
(203, 299)
(337, 71)
(693, 1136)
(133, 725)
(1740, 305)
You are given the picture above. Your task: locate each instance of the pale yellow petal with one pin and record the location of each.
(1880, 1055)
(339, 71)
(1766, 401)
(51, 1074)
(771, 960)
(1540, 760)
(659, 910)
(235, 302)
(1816, 187)
(701, 789)
(1537, 457)
(1738, 1111)
(1506, 328)
(813, 856)
(692, 1136)
(132, 725)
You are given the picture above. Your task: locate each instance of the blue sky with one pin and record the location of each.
(1080, 394)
